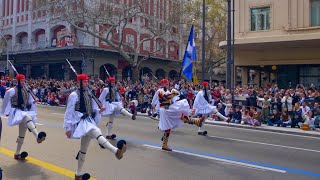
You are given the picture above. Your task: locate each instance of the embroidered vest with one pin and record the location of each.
(111, 96)
(25, 99)
(87, 101)
(166, 99)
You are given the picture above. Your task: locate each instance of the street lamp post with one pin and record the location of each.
(203, 37)
(7, 52)
(229, 53)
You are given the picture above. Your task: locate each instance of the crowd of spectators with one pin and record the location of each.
(269, 104)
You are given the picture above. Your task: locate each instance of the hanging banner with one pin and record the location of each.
(65, 38)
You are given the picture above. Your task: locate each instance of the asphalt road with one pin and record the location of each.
(226, 153)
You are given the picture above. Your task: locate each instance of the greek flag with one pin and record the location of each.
(189, 56)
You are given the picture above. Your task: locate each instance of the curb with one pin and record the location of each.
(263, 129)
(249, 127)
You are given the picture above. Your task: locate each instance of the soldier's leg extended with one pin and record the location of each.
(32, 128)
(105, 144)
(109, 128)
(219, 115)
(124, 112)
(190, 120)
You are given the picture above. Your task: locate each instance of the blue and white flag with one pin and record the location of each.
(189, 56)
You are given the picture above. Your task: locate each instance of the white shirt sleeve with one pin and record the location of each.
(155, 98)
(7, 101)
(68, 118)
(103, 94)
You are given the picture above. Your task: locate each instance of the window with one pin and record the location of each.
(130, 39)
(315, 12)
(159, 46)
(146, 45)
(260, 18)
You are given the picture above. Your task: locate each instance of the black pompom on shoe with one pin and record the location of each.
(122, 147)
(41, 137)
(86, 176)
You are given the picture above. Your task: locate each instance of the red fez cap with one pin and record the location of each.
(164, 81)
(2, 77)
(8, 77)
(111, 79)
(122, 90)
(3, 83)
(204, 83)
(82, 77)
(20, 77)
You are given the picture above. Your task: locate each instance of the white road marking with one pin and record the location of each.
(258, 130)
(232, 164)
(39, 124)
(267, 144)
(58, 114)
(221, 160)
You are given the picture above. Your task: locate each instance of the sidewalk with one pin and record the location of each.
(263, 127)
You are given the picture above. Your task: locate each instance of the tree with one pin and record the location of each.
(215, 29)
(108, 20)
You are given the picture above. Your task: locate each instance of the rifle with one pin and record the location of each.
(90, 90)
(26, 88)
(106, 70)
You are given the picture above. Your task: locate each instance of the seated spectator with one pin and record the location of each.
(132, 108)
(52, 100)
(305, 109)
(246, 118)
(230, 115)
(296, 115)
(237, 117)
(227, 108)
(285, 118)
(220, 110)
(274, 118)
(255, 117)
(308, 120)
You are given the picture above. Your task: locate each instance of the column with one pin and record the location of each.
(46, 70)
(28, 70)
(66, 71)
(244, 76)
(257, 77)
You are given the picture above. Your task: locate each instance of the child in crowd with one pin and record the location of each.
(237, 117)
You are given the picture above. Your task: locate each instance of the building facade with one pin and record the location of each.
(39, 46)
(277, 41)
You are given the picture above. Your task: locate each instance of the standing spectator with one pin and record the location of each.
(265, 109)
(287, 102)
(276, 102)
(3, 89)
(190, 96)
(227, 96)
(216, 95)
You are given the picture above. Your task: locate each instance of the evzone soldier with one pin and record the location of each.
(172, 112)
(111, 99)
(20, 107)
(80, 122)
(203, 107)
(155, 103)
